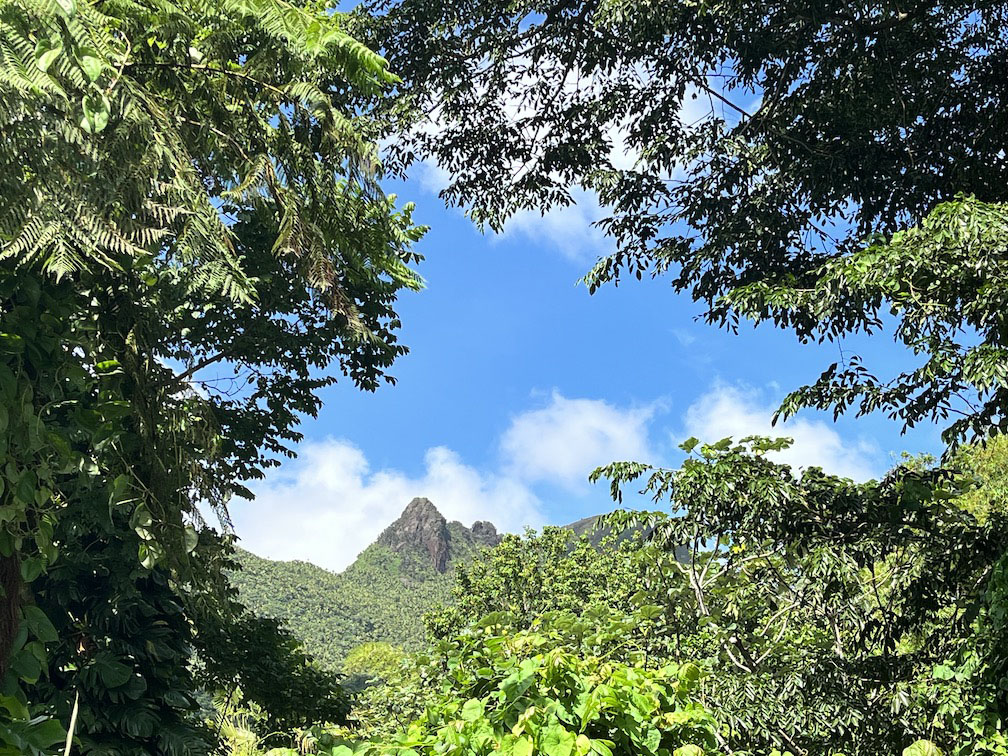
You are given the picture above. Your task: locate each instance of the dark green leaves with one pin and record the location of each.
(752, 174)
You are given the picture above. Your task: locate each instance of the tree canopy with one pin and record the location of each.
(194, 242)
(831, 167)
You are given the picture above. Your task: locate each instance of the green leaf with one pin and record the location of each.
(90, 63)
(67, 7)
(26, 666)
(12, 343)
(46, 51)
(472, 710)
(557, 741)
(96, 113)
(147, 556)
(43, 734)
(31, 568)
(922, 748)
(689, 673)
(113, 673)
(942, 672)
(689, 444)
(39, 624)
(522, 747)
(191, 538)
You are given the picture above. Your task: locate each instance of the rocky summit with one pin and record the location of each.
(422, 526)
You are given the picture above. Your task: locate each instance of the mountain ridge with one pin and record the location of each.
(383, 594)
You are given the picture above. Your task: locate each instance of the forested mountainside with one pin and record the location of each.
(382, 596)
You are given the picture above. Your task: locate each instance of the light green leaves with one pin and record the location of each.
(96, 109)
(556, 740)
(68, 8)
(922, 748)
(90, 62)
(554, 695)
(47, 49)
(522, 747)
(472, 710)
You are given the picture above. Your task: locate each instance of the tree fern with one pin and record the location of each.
(193, 103)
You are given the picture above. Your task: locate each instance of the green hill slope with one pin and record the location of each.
(380, 597)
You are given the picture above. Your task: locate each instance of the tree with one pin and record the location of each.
(193, 243)
(528, 576)
(855, 617)
(832, 167)
(121, 643)
(371, 664)
(549, 688)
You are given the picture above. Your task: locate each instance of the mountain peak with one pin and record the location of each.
(421, 508)
(422, 527)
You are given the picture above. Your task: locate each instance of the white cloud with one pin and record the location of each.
(328, 504)
(564, 441)
(733, 411)
(570, 229)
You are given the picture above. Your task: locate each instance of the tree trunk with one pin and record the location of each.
(10, 606)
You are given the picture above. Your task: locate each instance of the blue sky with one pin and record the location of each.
(519, 382)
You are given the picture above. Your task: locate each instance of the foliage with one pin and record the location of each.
(382, 596)
(827, 608)
(193, 244)
(551, 689)
(241, 651)
(945, 282)
(554, 570)
(123, 639)
(848, 166)
(149, 113)
(180, 205)
(122, 643)
(50, 410)
(371, 663)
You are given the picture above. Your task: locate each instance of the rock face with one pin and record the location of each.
(422, 527)
(484, 533)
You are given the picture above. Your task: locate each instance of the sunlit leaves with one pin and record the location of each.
(551, 690)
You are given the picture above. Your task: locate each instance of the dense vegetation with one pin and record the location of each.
(820, 616)
(194, 242)
(381, 596)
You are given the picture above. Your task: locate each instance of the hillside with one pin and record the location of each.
(381, 596)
